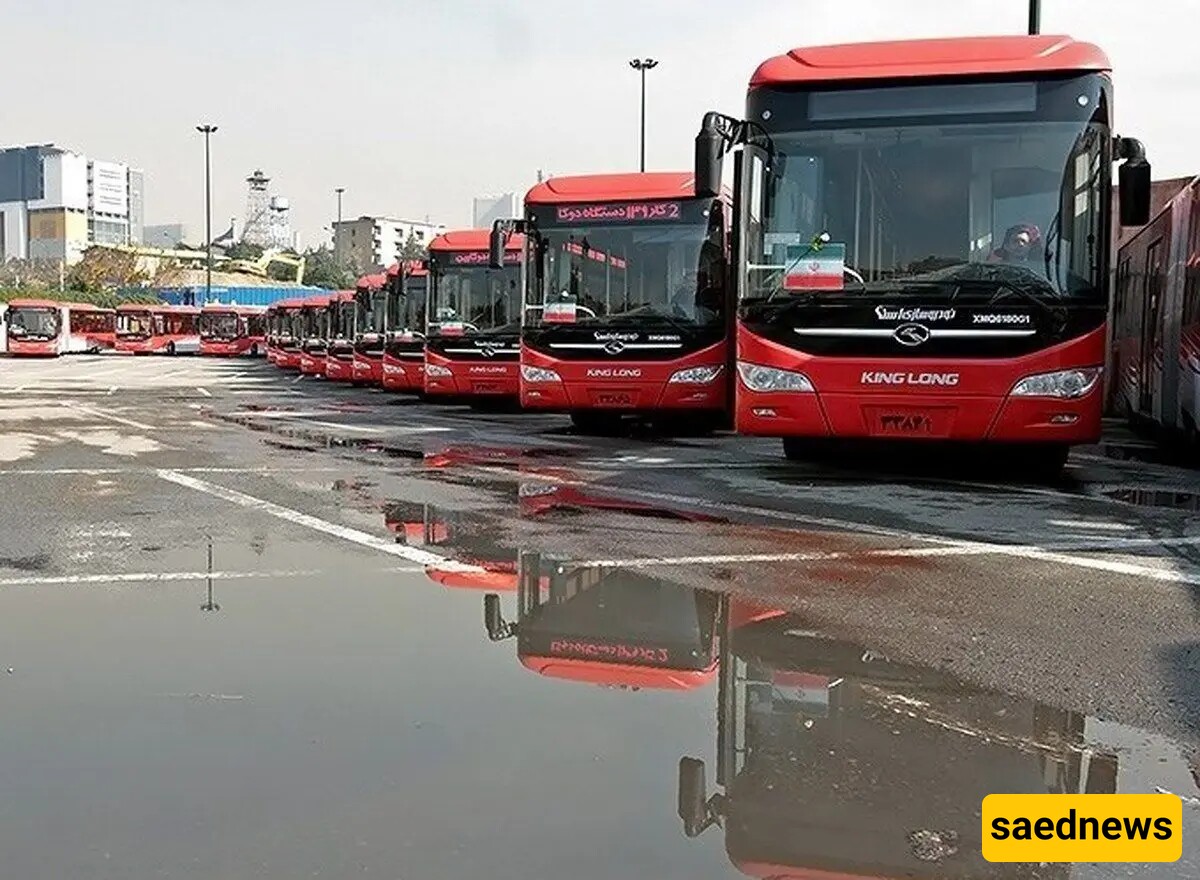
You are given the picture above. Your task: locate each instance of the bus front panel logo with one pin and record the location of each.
(911, 334)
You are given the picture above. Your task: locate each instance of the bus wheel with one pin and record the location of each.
(596, 423)
(1043, 462)
(802, 448)
(254, 351)
(171, 349)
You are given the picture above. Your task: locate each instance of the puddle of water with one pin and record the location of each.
(1155, 498)
(359, 721)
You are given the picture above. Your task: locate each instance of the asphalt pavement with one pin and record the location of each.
(243, 633)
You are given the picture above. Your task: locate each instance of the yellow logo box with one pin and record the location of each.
(1082, 828)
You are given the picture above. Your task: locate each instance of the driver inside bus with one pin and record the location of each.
(1018, 246)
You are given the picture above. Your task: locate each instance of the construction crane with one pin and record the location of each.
(261, 266)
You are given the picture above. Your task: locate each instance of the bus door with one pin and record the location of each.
(1151, 335)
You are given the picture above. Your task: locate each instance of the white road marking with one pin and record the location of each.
(138, 577)
(204, 392)
(120, 420)
(1090, 524)
(1019, 551)
(54, 472)
(354, 536)
(341, 427)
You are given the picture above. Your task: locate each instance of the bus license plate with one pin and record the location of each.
(905, 422)
(612, 398)
(486, 387)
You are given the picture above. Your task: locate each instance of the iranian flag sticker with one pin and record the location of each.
(452, 328)
(816, 267)
(559, 313)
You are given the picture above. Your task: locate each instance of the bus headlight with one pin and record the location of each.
(697, 375)
(1063, 384)
(537, 374)
(438, 371)
(758, 378)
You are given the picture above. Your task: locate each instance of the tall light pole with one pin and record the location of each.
(641, 65)
(207, 131)
(1035, 16)
(339, 190)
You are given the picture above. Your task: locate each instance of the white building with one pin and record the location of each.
(54, 203)
(374, 243)
(485, 210)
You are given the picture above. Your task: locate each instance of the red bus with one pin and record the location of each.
(371, 300)
(472, 542)
(50, 328)
(404, 350)
(314, 331)
(472, 349)
(158, 329)
(924, 241)
(284, 332)
(1155, 356)
(232, 331)
(901, 755)
(611, 627)
(627, 309)
(339, 347)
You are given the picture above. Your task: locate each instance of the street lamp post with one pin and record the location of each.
(641, 65)
(1035, 16)
(207, 131)
(339, 190)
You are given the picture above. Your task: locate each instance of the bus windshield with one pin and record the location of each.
(908, 190)
(220, 325)
(671, 268)
(28, 322)
(475, 298)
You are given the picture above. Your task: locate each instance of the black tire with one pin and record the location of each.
(597, 424)
(171, 349)
(800, 448)
(1042, 462)
(254, 350)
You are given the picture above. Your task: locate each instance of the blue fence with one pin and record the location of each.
(242, 296)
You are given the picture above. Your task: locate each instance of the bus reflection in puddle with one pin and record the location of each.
(833, 759)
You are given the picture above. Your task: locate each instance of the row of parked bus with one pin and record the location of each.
(914, 241)
(48, 328)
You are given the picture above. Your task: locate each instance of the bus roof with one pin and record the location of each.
(225, 308)
(613, 187)
(35, 304)
(376, 280)
(318, 301)
(293, 303)
(909, 59)
(88, 307)
(342, 296)
(158, 307)
(472, 240)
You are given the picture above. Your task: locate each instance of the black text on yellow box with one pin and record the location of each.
(1082, 828)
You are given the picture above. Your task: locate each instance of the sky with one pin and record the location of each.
(417, 107)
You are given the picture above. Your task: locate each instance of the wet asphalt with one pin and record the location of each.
(254, 626)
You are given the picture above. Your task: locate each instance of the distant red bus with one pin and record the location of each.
(339, 342)
(371, 296)
(627, 311)
(404, 351)
(284, 332)
(233, 331)
(314, 331)
(49, 328)
(158, 329)
(1155, 355)
(472, 347)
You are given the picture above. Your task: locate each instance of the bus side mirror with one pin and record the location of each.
(497, 245)
(1133, 183)
(693, 796)
(710, 148)
(493, 620)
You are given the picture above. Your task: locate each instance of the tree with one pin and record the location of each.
(241, 250)
(321, 269)
(105, 269)
(413, 249)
